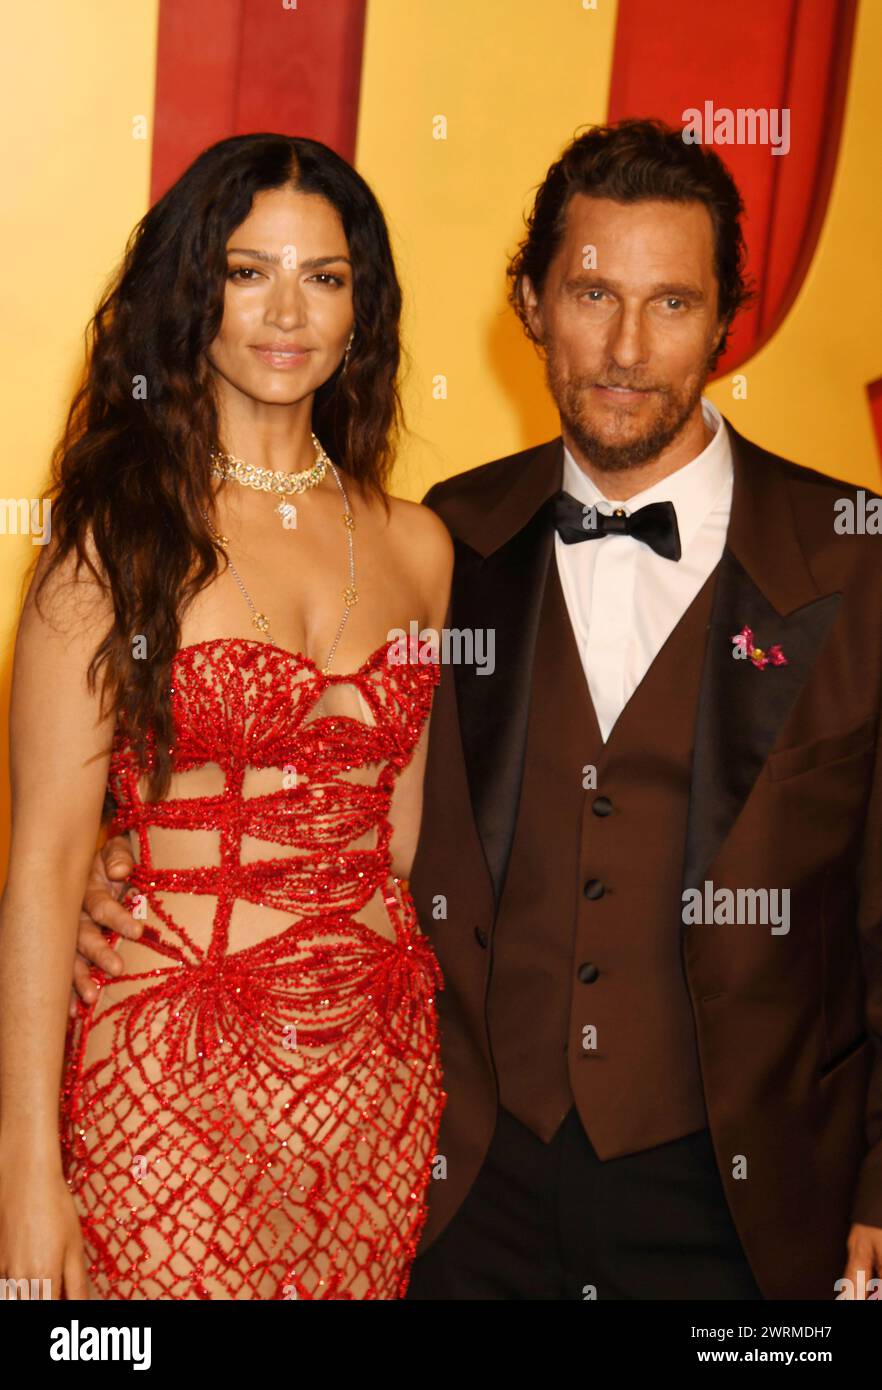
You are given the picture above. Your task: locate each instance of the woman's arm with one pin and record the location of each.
(430, 545)
(59, 755)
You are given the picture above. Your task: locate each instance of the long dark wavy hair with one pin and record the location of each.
(629, 161)
(134, 473)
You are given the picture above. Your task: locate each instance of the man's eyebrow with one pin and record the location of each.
(590, 280)
(311, 264)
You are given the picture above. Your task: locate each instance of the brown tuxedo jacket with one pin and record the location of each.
(784, 791)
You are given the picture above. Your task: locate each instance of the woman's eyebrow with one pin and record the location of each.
(269, 256)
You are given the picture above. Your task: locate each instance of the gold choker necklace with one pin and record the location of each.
(267, 479)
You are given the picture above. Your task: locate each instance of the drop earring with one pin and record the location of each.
(348, 349)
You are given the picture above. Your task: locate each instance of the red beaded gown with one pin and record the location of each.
(250, 1110)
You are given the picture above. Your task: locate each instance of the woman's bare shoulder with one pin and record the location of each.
(68, 593)
(422, 530)
(425, 549)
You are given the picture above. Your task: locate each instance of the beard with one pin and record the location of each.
(674, 408)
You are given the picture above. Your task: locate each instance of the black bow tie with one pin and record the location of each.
(655, 525)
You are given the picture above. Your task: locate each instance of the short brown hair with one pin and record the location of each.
(630, 161)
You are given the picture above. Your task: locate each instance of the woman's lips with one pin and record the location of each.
(282, 360)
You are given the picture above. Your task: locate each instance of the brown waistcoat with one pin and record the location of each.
(591, 907)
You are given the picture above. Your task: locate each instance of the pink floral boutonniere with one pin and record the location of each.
(744, 647)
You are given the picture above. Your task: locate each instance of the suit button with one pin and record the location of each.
(601, 806)
(594, 889)
(481, 937)
(588, 973)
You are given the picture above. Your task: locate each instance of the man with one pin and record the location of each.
(649, 854)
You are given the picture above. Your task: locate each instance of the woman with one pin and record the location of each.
(250, 1109)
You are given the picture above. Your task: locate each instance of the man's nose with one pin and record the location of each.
(627, 344)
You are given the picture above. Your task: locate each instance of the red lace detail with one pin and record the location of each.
(261, 1122)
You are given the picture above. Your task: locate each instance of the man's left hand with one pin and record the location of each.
(864, 1268)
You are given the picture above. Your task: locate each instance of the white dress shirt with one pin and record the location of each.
(623, 599)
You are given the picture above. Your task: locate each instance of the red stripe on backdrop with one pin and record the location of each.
(874, 396)
(227, 67)
(791, 54)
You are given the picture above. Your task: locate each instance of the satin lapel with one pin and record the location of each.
(503, 592)
(763, 582)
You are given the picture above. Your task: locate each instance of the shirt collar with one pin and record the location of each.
(694, 489)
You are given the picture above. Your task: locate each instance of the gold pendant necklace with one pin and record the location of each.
(350, 593)
(236, 470)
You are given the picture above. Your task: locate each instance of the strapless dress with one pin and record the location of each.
(250, 1110)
